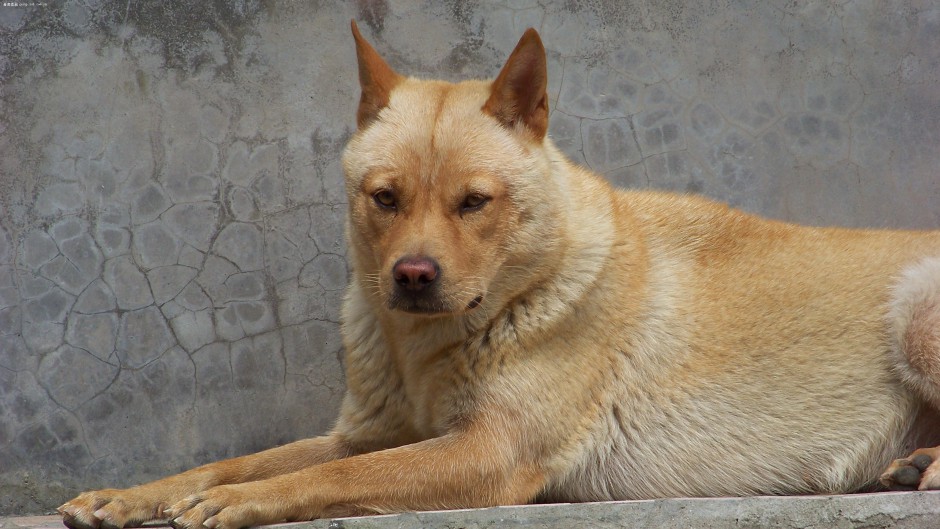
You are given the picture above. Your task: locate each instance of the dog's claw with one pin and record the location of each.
(178, 522)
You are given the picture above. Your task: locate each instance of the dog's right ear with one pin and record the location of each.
(376, 78)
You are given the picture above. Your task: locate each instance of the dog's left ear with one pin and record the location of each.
(519, 94)
(376, 78)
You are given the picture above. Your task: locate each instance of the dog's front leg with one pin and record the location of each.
(117, 508)
(459, 470)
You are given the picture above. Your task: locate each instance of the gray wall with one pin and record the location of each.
(171, 203)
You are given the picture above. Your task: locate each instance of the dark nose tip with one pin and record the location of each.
(415, 273)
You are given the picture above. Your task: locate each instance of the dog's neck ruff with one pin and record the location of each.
(586, 237)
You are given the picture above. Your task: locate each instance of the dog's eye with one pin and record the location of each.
(385, 199)
(473, 202)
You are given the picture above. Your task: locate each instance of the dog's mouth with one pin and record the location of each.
(431, 305)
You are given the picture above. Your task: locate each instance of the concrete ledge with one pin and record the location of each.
(898, 510)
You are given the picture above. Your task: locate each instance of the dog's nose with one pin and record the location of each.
(415, 273)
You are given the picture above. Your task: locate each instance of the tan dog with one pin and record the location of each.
(518, 330)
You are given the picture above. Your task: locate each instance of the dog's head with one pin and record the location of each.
(447, 183)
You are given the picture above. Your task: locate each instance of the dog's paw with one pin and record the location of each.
(222, 507)
(918, 471)
(109, 509)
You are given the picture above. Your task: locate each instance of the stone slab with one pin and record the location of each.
(902, 510)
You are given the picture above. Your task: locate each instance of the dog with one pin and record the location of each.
(517, 330)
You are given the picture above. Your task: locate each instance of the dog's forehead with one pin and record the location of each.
(438, 126)
(436, 108)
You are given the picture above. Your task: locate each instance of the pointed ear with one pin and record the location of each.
(519, 93)
(376, 78)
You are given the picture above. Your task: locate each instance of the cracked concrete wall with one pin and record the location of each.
(171, 251)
